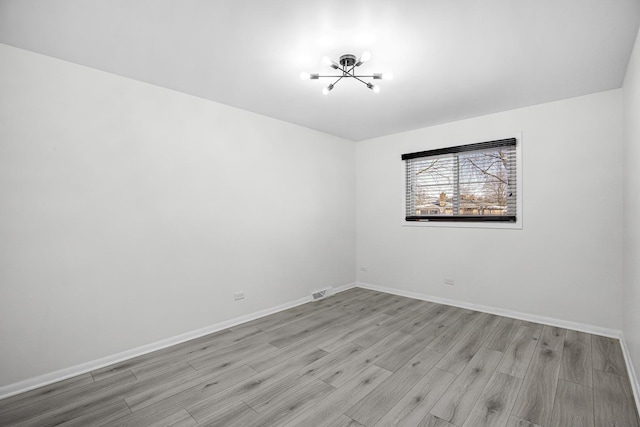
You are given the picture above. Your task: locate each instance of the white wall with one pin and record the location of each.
(631, 275)
(566, 262)
(131, 213)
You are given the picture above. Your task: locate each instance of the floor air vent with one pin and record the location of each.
(322, 294)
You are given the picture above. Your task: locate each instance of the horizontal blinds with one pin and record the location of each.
(468, 182)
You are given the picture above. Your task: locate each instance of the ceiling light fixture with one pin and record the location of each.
(346, 66)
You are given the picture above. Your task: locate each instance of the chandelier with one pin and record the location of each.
(346, 67)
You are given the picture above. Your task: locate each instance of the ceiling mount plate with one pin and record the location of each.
(348, 60)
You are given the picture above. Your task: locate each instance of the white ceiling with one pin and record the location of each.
(452, 59)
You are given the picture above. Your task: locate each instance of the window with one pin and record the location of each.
(475, 182)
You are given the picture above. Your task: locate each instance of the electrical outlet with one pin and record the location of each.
(449, 282)
(238, 296)
(363, 268)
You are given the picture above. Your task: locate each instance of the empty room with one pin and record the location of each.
(337, 213)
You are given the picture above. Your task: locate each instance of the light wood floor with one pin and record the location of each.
(360, 358)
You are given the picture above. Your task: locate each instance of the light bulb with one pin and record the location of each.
(305, 76)
(373, 87)
(366, 55)
(327, 61)
(327, 89)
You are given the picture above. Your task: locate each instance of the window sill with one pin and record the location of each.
(459, 224)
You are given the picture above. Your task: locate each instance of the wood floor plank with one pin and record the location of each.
(363, 322)
(309, 326)
(425, 318)
(345, 421)
(282, 318)
(368, 306)
(433, 421)
(352, 304)
(151, 395)
(338, 376)
(519, 353)
(331, 361)
(575, 365)
(519, 422)
(501, 337)
(411, 408)
(238, 414)
(298, 347)
(102, 415)
(401, 320)
(159, 407)
(607, 355)
(430, 332)
(179, 419)
(245, 352)
(493, 408)
(201, 407)
(394, 302)
(434, 314)
(281, 332)
(76, 396)
(329, 410)
(613, 402)
(537, 394)
(573, 406)
(84, 408)
(336, 300)
(468, 344)
(450, 315)
(346, 336)
(457, 329)
(373, 406)
(404, 304)
(457, 402)
(298, 400)
(387, 327)
(23, 401)
(263, 400)
(399, 355)
(157, 388)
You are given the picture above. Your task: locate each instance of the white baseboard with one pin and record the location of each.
(582, 327)
(343, 288)
(83, 368)
(633, 377)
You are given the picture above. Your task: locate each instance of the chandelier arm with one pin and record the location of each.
(356, 77)
(349, 75)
